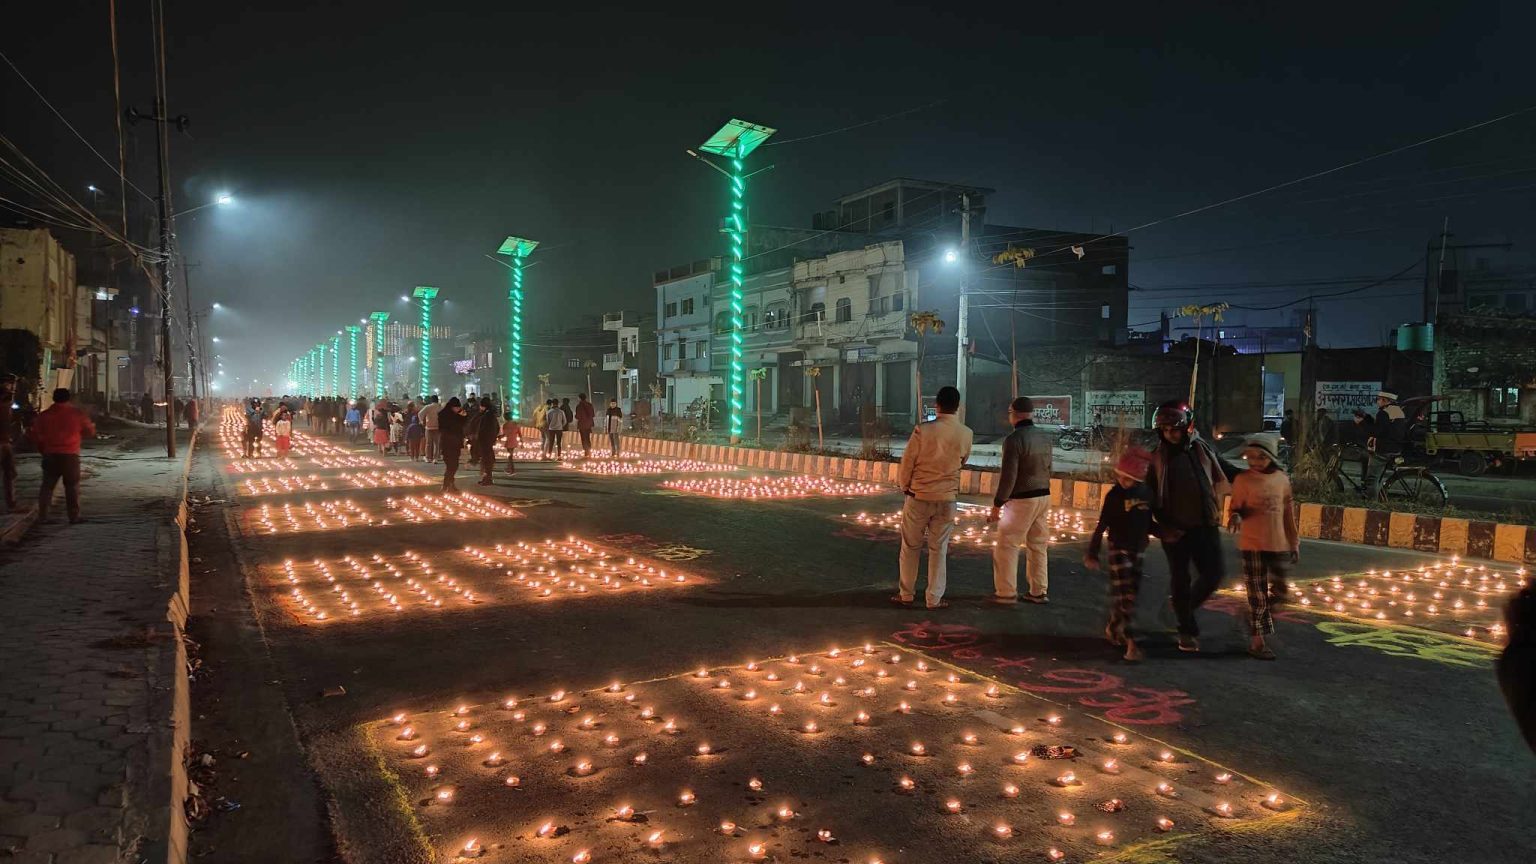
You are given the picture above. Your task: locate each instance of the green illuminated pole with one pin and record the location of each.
(519, 249)
(378, 353)
(426, 295)
(335, 365)
(352, 331)
(734, 142)
(320, 351)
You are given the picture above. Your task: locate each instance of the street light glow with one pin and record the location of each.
(218, 306)
(224, 198)
(951, 255)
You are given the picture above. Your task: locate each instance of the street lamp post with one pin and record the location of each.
(519, 249)
(426, 295)
(352, 331)
(378, 353)
(735, 141)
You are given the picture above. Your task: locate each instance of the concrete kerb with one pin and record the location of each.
(168, 786)
(1448, 535)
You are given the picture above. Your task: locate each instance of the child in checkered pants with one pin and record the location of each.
(1264, 516)
(1127, 518)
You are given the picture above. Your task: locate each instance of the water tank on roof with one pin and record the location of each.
(1416, 337)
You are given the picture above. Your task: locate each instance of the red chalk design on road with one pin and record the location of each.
(1091, 688)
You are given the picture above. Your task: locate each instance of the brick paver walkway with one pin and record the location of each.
(85, 698)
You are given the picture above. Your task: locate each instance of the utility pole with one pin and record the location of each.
(163, 156)
(962, 370)
(1445, 232)
(193, 348)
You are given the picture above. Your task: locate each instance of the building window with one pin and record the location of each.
(700, 349)
(844, 311)
(687, 305)
(1109, 269)
(888, 210)
(898, 302)
(1504, 402)
(749, 320)
(723, 322)
(671, 310)
(817, 312)
(573, 363)
(666, 352)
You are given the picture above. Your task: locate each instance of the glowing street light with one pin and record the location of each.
(378, 353)
(735, 141)
(426, 295)
(519, 248)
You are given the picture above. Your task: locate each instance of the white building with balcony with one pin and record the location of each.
(683, 319)
(851, 318)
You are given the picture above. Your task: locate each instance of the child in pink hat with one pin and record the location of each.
(1127, 517)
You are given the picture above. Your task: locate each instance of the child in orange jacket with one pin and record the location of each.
(1264, 517)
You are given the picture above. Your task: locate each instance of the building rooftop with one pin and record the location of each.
(897, 182)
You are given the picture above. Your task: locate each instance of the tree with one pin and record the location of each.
(757, 376)
(815, 373)
(924, 322)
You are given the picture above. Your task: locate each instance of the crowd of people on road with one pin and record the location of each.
(428, 430)
(1173, 493)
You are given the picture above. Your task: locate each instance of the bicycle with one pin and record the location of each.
(1401, 483)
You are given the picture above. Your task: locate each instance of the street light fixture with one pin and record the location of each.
(223, 199)
(735, 141)
(519, 248)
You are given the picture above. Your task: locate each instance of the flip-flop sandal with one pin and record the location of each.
(896, 598)
(1261, 653)
(942, 604)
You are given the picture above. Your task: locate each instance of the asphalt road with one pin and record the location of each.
(1395, 739)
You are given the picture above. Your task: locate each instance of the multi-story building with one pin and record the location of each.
(683, 322)
(38, 295)
(851, 312)
(632, 368)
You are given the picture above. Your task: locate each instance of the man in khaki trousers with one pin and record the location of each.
(930, 478)
(1021, 508)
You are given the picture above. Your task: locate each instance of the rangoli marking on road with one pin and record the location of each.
(1409, 642)
(973, 534)
(642, 545)
(765, 488)
(1091, 688)
(361, 587)
(928, 762)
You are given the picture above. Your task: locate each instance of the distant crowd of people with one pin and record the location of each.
(428, 430)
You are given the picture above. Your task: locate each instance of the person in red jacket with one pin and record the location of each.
(586, 418)
(57, 433)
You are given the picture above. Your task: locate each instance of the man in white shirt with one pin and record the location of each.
(428, 418)
(930, 478)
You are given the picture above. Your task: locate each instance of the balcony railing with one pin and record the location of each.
(613, 362)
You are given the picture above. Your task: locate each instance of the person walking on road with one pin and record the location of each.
(930, 480)
(613, 422)
(554, 423)
(540, 414)
(1127, 517)
(282, 428)
(57, 433)
(570, 416)
(512, 437)
(192, 413)
(255, 419)
(147, 408)
(1021, 508)
(450, 426)
(381, 427)
(586, 419)
(428, 415)
(1263, 514)
(354, 424)
(1187, 484)
(487, 430)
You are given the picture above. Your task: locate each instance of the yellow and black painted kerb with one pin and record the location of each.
(1447, 535)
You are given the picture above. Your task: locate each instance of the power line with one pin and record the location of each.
(902, 113)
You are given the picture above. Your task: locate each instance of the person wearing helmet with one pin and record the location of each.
(1187, 485)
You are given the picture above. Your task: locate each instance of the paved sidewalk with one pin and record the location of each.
(89, 725)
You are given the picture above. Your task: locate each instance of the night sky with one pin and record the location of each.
(375, 147)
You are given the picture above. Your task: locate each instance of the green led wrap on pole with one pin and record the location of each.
(352, 331)
(378, 353)
(426, 295)
(518, 249)
(335, 366)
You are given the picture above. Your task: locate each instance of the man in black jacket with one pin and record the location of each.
(1021, 508)
(1187, 485)
(450, 425)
